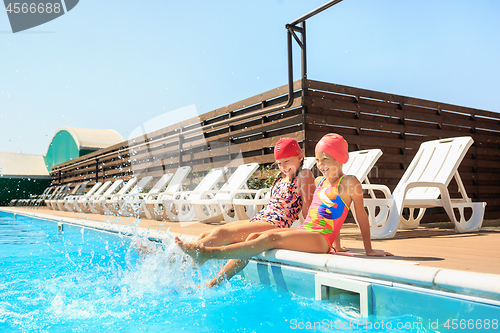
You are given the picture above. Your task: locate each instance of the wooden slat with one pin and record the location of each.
(397, 98)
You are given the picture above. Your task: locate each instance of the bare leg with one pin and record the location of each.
(232, 233)
(295, 240)
(231, 268)
(205, 234)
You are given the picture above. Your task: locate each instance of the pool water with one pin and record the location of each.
(82, 280)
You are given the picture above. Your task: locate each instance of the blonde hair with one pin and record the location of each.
(281, 175)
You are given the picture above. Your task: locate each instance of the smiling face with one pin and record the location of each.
(289, 165)
(328, 166)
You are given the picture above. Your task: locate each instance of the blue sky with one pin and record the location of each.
(119, 64)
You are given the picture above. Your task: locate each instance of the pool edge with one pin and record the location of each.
(481, 285)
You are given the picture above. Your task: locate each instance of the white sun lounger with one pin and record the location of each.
(106, 201)
(423, 185)
(53, 195)
(52, 203)
(178, 208)
(71, 202)
(113, 205)
(133, 205)
(77, 191)
(94, 204)
(83, 204)
(153, 202)
(32, 199)
(215, 205)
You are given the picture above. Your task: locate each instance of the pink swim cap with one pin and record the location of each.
(286, 147)
(335, 145)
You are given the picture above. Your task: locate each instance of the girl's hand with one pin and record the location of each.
(376, 253)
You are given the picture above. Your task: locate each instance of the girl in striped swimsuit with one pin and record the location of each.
(333, 195)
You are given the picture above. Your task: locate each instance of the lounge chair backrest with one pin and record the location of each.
(58, 191)
(82, 187)
(361, 162)
(161, 183)
(111, 189)
(211, 179)
(102, 189)
(64, 191)
(93, 190)
(309, 162)
(177, 180)
(239, 177)
(54, 193)
(75, 189)
(127, 186)
(48, 192)
(435, 161)
(141, 185)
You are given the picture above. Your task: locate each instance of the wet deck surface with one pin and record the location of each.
(434, 244)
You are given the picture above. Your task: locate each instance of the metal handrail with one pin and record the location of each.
(315, 11)
(291, 29)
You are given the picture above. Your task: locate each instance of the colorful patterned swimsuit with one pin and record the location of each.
(283, 207)
(327, 212)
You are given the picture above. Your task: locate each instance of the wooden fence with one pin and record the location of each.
(246, 132)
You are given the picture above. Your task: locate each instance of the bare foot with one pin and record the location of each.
(215, 281)
(145, 248)
(342, 249)
(193, 250)
(377, 253)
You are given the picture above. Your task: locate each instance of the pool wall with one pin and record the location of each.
(388, 298)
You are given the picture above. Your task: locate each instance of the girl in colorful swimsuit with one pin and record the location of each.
(331, 201)
(291, 193)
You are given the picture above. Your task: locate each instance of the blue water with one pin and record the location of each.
(83, 280)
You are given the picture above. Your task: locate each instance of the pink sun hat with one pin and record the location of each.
(286, 147)
(335, 145)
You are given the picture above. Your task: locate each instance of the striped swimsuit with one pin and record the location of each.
(283, 207)
(327, 212)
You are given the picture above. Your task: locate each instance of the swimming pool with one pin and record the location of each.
(82, 279)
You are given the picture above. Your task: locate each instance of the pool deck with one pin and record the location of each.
(433, 245)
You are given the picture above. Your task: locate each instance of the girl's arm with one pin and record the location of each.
(355, 191)
(306, 185)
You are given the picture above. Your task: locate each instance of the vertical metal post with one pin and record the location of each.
(290, 67)
(302, 29)
(304, 84)
(96, 170)
(304, 60)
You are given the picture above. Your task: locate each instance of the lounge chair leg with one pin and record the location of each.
(412, 222)
(226, 213)
(474, 222)
(384, 224)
